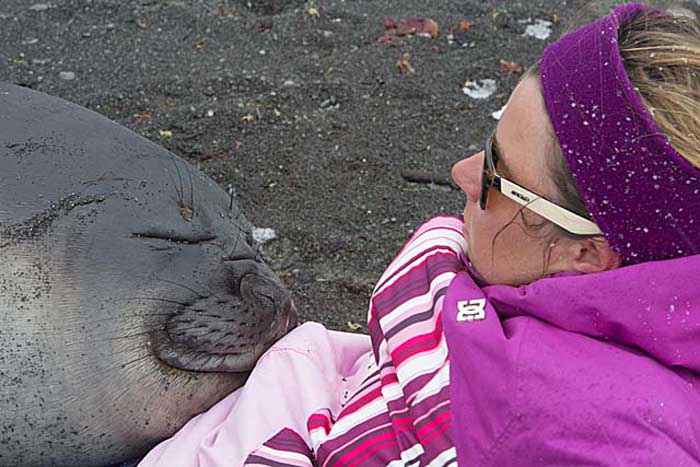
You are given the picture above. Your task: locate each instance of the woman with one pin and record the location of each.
(570, 335)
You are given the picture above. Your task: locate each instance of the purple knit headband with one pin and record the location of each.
(643, 195)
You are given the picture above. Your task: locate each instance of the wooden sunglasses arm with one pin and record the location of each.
(564, 218)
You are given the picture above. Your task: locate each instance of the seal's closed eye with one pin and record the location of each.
(242, 256)
(191, 239)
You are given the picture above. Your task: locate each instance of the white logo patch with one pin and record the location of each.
(472, 310)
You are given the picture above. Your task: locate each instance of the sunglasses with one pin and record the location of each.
(567, 220)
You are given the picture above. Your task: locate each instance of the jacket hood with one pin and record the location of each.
(652, 306)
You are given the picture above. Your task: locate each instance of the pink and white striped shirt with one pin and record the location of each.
(398, 413)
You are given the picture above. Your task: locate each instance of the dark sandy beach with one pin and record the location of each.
(335, 129)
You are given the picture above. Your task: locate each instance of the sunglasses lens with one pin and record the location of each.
(486, 176)
(484, 190)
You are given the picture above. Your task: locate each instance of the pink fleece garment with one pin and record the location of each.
(324, 363)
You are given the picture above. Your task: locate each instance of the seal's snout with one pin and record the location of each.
(229, 330)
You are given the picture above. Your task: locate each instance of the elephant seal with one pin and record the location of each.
(131, 293)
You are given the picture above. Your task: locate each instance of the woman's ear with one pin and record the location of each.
(593, 255)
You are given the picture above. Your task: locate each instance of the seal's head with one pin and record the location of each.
(132, 294)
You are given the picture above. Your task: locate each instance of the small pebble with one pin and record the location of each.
(67, 75)
(328, 102)
(263, 235)
(41, 6)
(480, 89)
(540, 30)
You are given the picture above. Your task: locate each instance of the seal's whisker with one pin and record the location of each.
(230, 191)
(181, 193)
(208, 315)
(124, 330)
(240, 234)
(185, 211)
(211, 292)
(199, 326)
(235, 245)
(214, 294)
(125, 364)
(167, 281)
(189, 175)
(241, 231)
(128, 336)
(258, 252)
(121, 317)
(199, 294)
(165, 300)
(135, 350)
(172, 180)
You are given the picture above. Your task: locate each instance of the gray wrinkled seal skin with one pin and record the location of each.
(131, 294)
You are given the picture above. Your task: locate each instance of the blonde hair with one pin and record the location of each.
(662, 58)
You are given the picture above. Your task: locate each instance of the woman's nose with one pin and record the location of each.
(467, 175)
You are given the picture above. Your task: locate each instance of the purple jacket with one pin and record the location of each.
(571, 370)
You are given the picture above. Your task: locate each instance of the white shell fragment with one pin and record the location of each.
(263, 235)
(497, 114)
(480, 89)
(542, 29)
